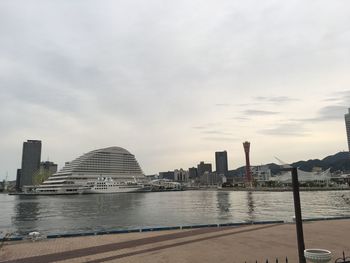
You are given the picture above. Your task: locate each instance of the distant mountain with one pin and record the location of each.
(337, 162)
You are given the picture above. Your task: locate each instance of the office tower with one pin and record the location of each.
(193, 172)
(31, 155)
(18, 180)
(203, 167)
(248, 172)
(221, 163)
(347, 124)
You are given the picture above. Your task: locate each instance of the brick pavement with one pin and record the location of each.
(227, 244)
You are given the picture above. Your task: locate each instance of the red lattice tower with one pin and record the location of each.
(248, 172)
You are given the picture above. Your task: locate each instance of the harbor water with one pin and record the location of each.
(82, 213)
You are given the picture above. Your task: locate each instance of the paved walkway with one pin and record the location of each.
(227, 244)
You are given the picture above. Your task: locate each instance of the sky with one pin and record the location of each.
(174, 81)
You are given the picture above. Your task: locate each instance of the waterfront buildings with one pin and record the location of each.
(181, 175)
(261, 172)
(31, 155)
(347, 125)
(221, 163)
(192, 173)
(167, 175)
(112, 164)
(203, 167)
(18, 180)
(46, 169)
(210, 179)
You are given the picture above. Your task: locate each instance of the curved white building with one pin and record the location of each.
(91, 170)
(114, 162)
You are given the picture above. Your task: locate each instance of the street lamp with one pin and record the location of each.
(297, 210)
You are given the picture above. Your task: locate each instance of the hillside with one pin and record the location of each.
(337, 162)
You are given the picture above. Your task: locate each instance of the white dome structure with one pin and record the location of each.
(112, 162)
(107, 170)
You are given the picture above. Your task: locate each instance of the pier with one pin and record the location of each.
(223, 244)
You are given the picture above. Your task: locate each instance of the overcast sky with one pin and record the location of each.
(174, 81)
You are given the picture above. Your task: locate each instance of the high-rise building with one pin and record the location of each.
(221, 163)
(31, 155)
(347, 124)
(193, 172)
(18, 180)
(203, 167)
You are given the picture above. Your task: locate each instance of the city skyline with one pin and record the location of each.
(174, 82)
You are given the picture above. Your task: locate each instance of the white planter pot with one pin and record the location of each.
(317, 255)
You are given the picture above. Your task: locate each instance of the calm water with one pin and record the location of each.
(58, 214)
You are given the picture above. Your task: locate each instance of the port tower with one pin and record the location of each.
(248, 171)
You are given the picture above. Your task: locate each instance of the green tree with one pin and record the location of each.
(40, 176)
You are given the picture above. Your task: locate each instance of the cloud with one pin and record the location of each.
(216, 138)
(259, 112)
(86, 74)
(240, 118)
(222, 104)
(217, 132)
(341, 97)
(333, 112)
(286, 129)
(199, 127)
(275, 99)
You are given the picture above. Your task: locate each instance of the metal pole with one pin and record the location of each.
(298, 218)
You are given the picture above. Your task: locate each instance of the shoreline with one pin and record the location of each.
(235, 189)
(225, 244)
(165, 228)
(270, 189)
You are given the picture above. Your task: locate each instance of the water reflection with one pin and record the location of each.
(58, 214)
(26, 213)
(223, 203)
(251, 206)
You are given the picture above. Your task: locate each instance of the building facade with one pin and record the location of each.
(18, 180)
(210, 179)
(203, 167)
(221, 163)
(31, 156)
(347, 125)
(181, 175)
(46, 169)
(192, 172)
(261, 172)
(112, 162)
(167, 175)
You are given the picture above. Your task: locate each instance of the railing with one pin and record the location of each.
(342, 259)
(277, 261)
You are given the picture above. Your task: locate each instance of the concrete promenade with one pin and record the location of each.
(224, 244)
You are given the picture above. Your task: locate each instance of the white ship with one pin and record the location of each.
(108, 185)
(55, 187)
